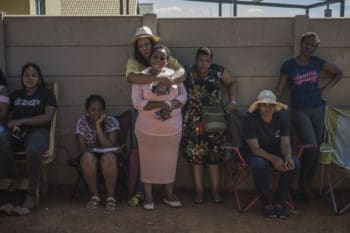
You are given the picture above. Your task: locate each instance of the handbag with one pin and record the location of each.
(214, 119)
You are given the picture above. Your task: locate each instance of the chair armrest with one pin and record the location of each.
(301, 149)
(237, 153)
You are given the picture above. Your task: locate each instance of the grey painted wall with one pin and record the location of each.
(88, 55)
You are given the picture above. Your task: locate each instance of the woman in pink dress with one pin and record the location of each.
(158, 129)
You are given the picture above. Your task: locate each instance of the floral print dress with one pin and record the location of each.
(82, 128)
(200, 147)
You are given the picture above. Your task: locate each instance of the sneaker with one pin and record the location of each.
(135, 200)
(269, 211)
(174, 202)
(148, 205)
(281, 212)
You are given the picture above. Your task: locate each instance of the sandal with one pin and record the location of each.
(111, 204)
(93, 202)
(198, 199)
(135, 200)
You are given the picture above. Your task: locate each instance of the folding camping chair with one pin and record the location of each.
(236, 166)
(335, 152)
(125, 122)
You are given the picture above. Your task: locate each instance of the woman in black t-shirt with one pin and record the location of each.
(30, 113)
(268, 142)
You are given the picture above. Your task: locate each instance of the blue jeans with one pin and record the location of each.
(261, 169)
(309, 126)
(35, 143)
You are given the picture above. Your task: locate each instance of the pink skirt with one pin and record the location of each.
(158, 157)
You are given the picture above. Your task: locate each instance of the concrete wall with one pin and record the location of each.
(88, 55)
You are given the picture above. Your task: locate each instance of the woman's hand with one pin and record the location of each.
(162, 89)
(167, 106)
(165, 79)
(14, 123)
(166, 114)
(230, 82)
(229, 107)
(101, 120)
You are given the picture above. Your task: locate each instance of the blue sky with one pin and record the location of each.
(182, 8)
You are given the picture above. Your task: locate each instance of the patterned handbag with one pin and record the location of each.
(214, 119)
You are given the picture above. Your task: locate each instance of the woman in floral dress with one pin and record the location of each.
(203, 84)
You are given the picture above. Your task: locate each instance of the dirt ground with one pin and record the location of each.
(57, 214)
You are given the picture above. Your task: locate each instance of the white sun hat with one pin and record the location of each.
(267, 97)
(144, 32)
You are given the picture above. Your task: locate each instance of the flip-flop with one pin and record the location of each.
(217, 201)
(198, 201)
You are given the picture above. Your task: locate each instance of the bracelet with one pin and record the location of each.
(173, 104)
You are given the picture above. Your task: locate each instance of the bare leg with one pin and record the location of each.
(169, 189)
(197, 175)
(170, 198)
(110, 172)
(214, 171)
(89, 169)
(148, 192)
